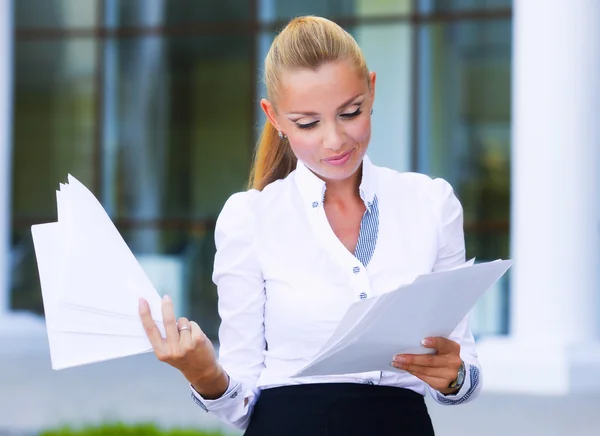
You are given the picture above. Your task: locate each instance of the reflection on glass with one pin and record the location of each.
(458, 5)
(54, 110)
(382, 7)
(25, 290)
(180, 125)
(272, 10)
(55, 13)
(391, 122)
(132, 13)
(178, 129)
(464, 132)
(284, 9)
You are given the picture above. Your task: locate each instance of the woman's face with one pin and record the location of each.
(325, 114)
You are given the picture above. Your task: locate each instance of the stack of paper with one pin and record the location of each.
(91, 283)
(374, 330)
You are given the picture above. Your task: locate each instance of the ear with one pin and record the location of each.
(372, 80)
(269, 111)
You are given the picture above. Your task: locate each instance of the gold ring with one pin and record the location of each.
(185, 327)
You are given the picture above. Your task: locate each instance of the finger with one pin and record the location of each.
(430, 360)
(169, 320)
(199, 340)
(435, 382)
(442, 345)
(445, 373)
(196, 330)
(150, 327)
(185, 330)
(197, 334)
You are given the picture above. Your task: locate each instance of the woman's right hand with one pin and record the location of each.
(186, 348)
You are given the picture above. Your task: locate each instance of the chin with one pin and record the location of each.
(344, 172)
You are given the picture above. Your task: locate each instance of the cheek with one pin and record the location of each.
(304, 143)
(360, 130)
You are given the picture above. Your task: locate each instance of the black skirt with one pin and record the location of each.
(339, 409)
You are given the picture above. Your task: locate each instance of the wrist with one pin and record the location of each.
(210, 384)
(457, 383)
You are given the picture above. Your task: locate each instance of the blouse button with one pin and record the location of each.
(363, 295)
(356, 270)
(315, 204)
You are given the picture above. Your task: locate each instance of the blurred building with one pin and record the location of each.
(153, 104)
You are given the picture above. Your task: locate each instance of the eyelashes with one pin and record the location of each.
(307, 126)
(349, 116)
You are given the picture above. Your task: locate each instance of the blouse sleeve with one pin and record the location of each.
(451, 254)
(241, 293)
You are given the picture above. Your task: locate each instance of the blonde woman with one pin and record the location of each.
(320, 228)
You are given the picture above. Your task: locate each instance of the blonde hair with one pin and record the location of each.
(306, 42)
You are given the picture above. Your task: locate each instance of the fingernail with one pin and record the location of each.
(143, 303)
(167, 298)
(425, 342)
(399, 359)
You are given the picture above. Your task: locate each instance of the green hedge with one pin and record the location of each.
(126, 430)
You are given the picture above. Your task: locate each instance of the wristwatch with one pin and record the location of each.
(460, 379)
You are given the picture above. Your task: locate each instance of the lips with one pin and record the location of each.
(340, 159)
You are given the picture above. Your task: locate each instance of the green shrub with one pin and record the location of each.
(125, 430)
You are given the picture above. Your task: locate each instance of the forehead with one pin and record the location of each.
(327, 86)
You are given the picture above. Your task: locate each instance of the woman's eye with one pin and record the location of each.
(307, 126)
(356, 113)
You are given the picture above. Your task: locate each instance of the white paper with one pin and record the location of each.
(91, 284)
(100, 262)
(68, 349)
(396, 322)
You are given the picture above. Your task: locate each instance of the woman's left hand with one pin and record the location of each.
(437, 370)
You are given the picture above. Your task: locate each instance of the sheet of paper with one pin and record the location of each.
(69, 349)
(356, 317)
(432, 305)
(103, 273)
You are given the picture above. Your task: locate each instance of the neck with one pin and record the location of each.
(344, 190)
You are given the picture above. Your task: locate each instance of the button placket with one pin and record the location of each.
(362, 286)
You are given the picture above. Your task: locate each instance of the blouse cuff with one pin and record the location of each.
(466, 391)
(229, 399)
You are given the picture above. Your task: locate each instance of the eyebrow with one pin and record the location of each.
(343, 105)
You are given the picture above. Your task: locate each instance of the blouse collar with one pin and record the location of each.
(312, 188)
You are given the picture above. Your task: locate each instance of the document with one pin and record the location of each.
(374, 330)
(91, 283)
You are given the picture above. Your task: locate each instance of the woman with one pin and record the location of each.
(321, 228)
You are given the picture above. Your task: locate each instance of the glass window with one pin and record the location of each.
(392, 118)
(178, 141)
(462, 5)
(179, 125)
(285, 9)
(140, 13)
(161, 121)
(54, 116)
(366, 8)
(55, 14)
(464, 126)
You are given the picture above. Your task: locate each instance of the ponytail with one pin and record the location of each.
(273, 160)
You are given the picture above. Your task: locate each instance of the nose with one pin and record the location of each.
(334, 137)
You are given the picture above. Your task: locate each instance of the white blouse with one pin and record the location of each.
(285, 280)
